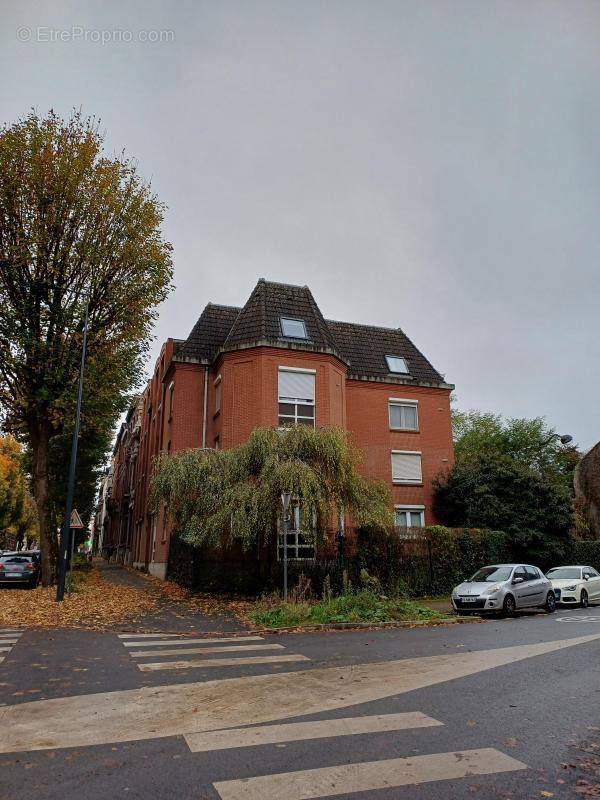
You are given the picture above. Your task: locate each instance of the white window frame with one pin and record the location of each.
(404, 371)
(409, 510)
(291, 335)
(218, 393)
(295, 534)
(291, 401)
(407, 481)
(399, 401)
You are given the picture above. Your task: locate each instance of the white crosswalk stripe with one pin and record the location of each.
(8, 639)
(222, 651)
(191, 651)
(300, 731)
(183, 641)
(369, 775)
(220, 662)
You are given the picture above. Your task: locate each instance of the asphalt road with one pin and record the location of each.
(502, 709)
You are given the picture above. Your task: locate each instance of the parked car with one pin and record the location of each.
(19, 568)
(504, 589)
(575, 585)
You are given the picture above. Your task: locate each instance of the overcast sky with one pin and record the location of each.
(424, 164)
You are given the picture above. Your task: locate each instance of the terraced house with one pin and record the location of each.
(273, 362)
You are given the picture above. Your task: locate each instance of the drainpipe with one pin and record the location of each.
(205, 408)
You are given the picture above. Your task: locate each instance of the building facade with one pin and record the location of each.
(274, 362)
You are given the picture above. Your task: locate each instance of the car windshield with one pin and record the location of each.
(15, 559)
(564, 573)
(492, 574)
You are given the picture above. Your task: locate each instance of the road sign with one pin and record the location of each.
(76, 519)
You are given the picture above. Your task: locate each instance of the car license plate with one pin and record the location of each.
(469, 599)
(557, 594)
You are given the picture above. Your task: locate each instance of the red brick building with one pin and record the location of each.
(273, 362)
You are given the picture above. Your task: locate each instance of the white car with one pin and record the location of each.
(575, 585)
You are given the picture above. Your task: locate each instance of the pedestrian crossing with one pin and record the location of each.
(155, 652)
(347, 778)
(8, 639)
(369, 775)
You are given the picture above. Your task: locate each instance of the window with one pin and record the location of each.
(520, 573)
(409, 516)
(300, 545)
(406, 467)
(217, 442)
(293, 328)
(532, 573)
(171, 393)
(397, 364)
(296, 397)
(403, 415)
(218, 395)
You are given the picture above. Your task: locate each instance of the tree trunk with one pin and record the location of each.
(39, 440)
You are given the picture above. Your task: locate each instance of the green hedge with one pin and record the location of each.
(586, 552)
(459, 552)
(434, 562)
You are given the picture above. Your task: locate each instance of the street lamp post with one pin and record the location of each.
(564, 438)
(285, 501)
(66, 533)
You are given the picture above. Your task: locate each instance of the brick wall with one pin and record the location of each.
(248, 382)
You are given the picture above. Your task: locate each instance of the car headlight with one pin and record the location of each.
(570, 588)
(492, 589)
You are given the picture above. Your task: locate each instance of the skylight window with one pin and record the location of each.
(397, 365)
(293, 328)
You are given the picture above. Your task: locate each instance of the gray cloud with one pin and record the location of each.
(432, 165)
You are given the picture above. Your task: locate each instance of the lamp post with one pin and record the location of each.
(66, 533)
(564, 438)
(285, 501)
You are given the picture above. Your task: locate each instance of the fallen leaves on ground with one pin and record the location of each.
(96, 605)
(203, 602)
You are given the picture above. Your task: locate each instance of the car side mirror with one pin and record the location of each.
(586, 577)
(517, 580)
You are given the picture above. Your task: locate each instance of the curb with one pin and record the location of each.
(354, 626)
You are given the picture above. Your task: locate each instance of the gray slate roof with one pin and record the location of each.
(362, 347)
(209, 333)
(259, 320)
(365, 347)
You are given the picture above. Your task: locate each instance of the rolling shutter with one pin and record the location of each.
(296, 385)
(407, 467)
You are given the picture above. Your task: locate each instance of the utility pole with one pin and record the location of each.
(285, 501)
(65, 536)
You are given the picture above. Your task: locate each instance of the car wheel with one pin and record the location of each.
(584, 599)
(509, 606)
(550, 605)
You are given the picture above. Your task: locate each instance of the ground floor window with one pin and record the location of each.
(300, 544)
(410, 516)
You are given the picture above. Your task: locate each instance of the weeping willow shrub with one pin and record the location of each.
(216, 496)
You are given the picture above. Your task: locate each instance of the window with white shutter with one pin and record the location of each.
(296, 397)
(406, 467)
(403, 415)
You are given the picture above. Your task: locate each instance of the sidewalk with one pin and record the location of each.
(171, 615)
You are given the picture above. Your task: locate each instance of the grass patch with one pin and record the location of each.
(360, 607)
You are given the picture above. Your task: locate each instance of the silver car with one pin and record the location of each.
(504, 589)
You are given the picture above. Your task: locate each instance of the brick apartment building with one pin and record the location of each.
(272, 362)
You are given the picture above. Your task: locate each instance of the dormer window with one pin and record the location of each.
(397, 365)
(293, 328)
